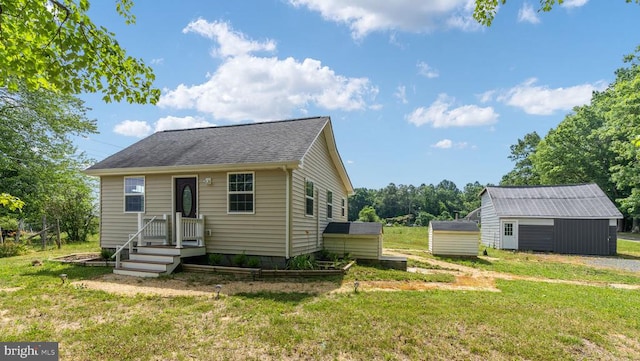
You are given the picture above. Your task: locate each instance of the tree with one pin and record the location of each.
(424, 218)
(37, 158)
(485, 10)
(54, 45)
(523, 172)
(11, 202)
(361, 197)
(368, 214)
(471, 197)
(622, 127)
(74, 208)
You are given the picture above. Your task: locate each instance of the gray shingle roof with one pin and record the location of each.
(268, 142)
(570, 201)
(460, 226)
(355, 228)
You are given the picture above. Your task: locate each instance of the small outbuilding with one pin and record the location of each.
(361, 240)
(571, 219)
(454, 238)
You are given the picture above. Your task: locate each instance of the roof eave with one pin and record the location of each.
(558, 216)
(193, 168)
(327, 130)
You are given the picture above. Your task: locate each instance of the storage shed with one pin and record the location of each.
(453, 238)
(571, 219)
(361, 240)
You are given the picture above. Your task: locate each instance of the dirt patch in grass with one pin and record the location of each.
(10, 289)
(183, 285)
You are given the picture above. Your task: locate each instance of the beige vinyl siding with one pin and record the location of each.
(318, 167)
(262, 233)
(489, 223)
(361, 247)
(115, 224)
(453, 243)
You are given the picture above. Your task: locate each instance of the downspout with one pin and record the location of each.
(287, 217)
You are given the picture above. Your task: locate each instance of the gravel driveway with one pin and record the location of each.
(619, 263)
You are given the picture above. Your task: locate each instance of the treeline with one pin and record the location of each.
(597, 143)
(408, 204)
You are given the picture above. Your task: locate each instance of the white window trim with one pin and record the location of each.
(313, 198)
(125, 194)
(329, 214)
(343, 208)
(253, 192)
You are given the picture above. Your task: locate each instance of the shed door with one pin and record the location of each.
(509, 234)
(186, 196)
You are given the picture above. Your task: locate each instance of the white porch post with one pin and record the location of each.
(165, 242)
(140, 225)
(178, 230)
(201, 231)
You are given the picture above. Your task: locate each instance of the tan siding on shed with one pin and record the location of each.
(362, 247)
(306, 231)
(453, 243)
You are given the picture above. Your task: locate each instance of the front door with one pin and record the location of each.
(509, 235)
(186, 196)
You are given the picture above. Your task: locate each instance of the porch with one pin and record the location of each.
(152, 252)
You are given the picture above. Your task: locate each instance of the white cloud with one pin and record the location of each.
(401, 94)
(140, 128)
(350, 162)
(527, 14)
(133, 128)
(230, 42)
(427, 71)
(486, 96)
(574, 3)
(443, 144)
(440, 114)
(448, 144)
(542, 100)
(364, 17)
(157, 61)
(247, 87)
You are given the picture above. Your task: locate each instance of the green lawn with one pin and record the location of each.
(406, 237)
(526, 320)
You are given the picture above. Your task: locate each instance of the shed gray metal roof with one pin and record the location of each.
(566, 201)
(268, 142)
(457, 226)
(354, 228)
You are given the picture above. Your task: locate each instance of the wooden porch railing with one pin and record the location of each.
(189, 229)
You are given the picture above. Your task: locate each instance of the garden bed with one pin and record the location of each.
(85, 259)
(259, 272)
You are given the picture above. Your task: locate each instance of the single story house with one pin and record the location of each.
(263, 189)
(570, 219)
(454, 238)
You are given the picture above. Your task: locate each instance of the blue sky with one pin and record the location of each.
(417, 91)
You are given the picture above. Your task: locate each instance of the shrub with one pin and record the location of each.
(302, 262)
(253, 262)
(240, 259)
(10, 249)
(215, 259)
(106, 253)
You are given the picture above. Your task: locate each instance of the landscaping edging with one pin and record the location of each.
(259, 272)
(90, 261)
